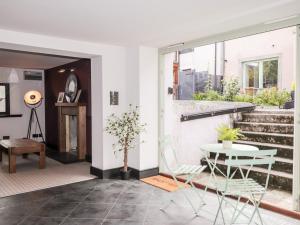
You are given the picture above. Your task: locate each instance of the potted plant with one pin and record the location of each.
(227, 135)
(126, 128)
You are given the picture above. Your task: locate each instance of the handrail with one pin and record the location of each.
(195, 116)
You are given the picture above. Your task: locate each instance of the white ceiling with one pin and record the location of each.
(23, 60)
(147, 22)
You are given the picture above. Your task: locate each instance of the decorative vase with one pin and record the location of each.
(227, 144)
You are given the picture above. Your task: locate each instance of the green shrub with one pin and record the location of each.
(272, 97)
(243, 98)
(208, 96)
(199, 96)
(231, 89)
(213, 96)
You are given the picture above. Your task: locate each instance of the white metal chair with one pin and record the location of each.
(191, 171)
(242, 162)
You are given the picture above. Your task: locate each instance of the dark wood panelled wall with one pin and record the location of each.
(55, 83)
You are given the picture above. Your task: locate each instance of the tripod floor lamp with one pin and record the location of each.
(33, 100)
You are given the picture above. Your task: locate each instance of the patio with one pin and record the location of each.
(110, 202)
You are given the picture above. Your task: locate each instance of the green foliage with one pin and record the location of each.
(199, 96)
(272, 97)
(231, 89)
(208, 96)
(126, 128)
(267, 96)
(225, 133)
(243, 98)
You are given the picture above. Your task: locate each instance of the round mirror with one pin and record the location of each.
(71, 88)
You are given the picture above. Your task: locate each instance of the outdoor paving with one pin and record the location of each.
(112, 202)
(280, 198)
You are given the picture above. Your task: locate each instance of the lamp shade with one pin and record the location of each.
(32, 97)
(13, 76)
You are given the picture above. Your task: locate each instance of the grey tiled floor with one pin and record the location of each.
(112, 202)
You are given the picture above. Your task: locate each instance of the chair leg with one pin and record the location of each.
(181, 186)
(168, 204)
(198, 194)
(256, 210)
(220, 209)
(235, 210)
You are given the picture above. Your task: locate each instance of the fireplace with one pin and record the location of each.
(72, 128)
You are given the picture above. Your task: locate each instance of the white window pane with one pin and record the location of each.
(270, 73)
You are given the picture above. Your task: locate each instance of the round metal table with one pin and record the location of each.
(218, 148)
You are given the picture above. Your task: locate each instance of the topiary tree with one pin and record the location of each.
(126, 128)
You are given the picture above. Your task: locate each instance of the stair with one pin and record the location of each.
(278, 180)
(269, 130)
(266, 117)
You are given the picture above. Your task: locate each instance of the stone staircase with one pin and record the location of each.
(269, 130)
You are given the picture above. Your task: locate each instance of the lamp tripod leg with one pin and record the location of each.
(29, 124)
(39, 125)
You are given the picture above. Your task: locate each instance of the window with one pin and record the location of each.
(261, 73)
(4, 99)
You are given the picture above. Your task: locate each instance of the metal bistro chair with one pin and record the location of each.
(244, 187)
(181, 169)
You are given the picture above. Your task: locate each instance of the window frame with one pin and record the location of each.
(7, 99)
(260, 62)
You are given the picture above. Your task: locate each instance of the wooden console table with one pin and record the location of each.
(72, 109)
(14, 147)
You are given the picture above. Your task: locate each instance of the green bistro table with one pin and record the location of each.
(218, 149)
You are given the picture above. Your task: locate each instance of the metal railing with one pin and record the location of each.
(195, 116)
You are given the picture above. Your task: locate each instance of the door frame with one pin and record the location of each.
(229, 36)
(296, 152)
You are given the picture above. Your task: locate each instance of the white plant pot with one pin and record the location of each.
(227, 144)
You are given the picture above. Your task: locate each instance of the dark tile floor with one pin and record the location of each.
(110, 202)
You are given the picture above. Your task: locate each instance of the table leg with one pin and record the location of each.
(42, 161)
(12, 162)
(0, 156)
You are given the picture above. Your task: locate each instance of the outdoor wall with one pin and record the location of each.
(279, 43)
(16, 127)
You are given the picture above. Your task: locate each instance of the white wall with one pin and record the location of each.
(17, 127)
(111, 71)
(142, 79)
(148, 85)
(279, 43)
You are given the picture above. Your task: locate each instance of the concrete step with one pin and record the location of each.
(272, 138)
(274, 111)
(279, 180)
(281, 164)
(283, 151)
(265, 127)
(268, 118)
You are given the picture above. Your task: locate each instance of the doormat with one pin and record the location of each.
(164, 183)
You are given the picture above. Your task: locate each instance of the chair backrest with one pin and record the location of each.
(238, 160)
(167, 152)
